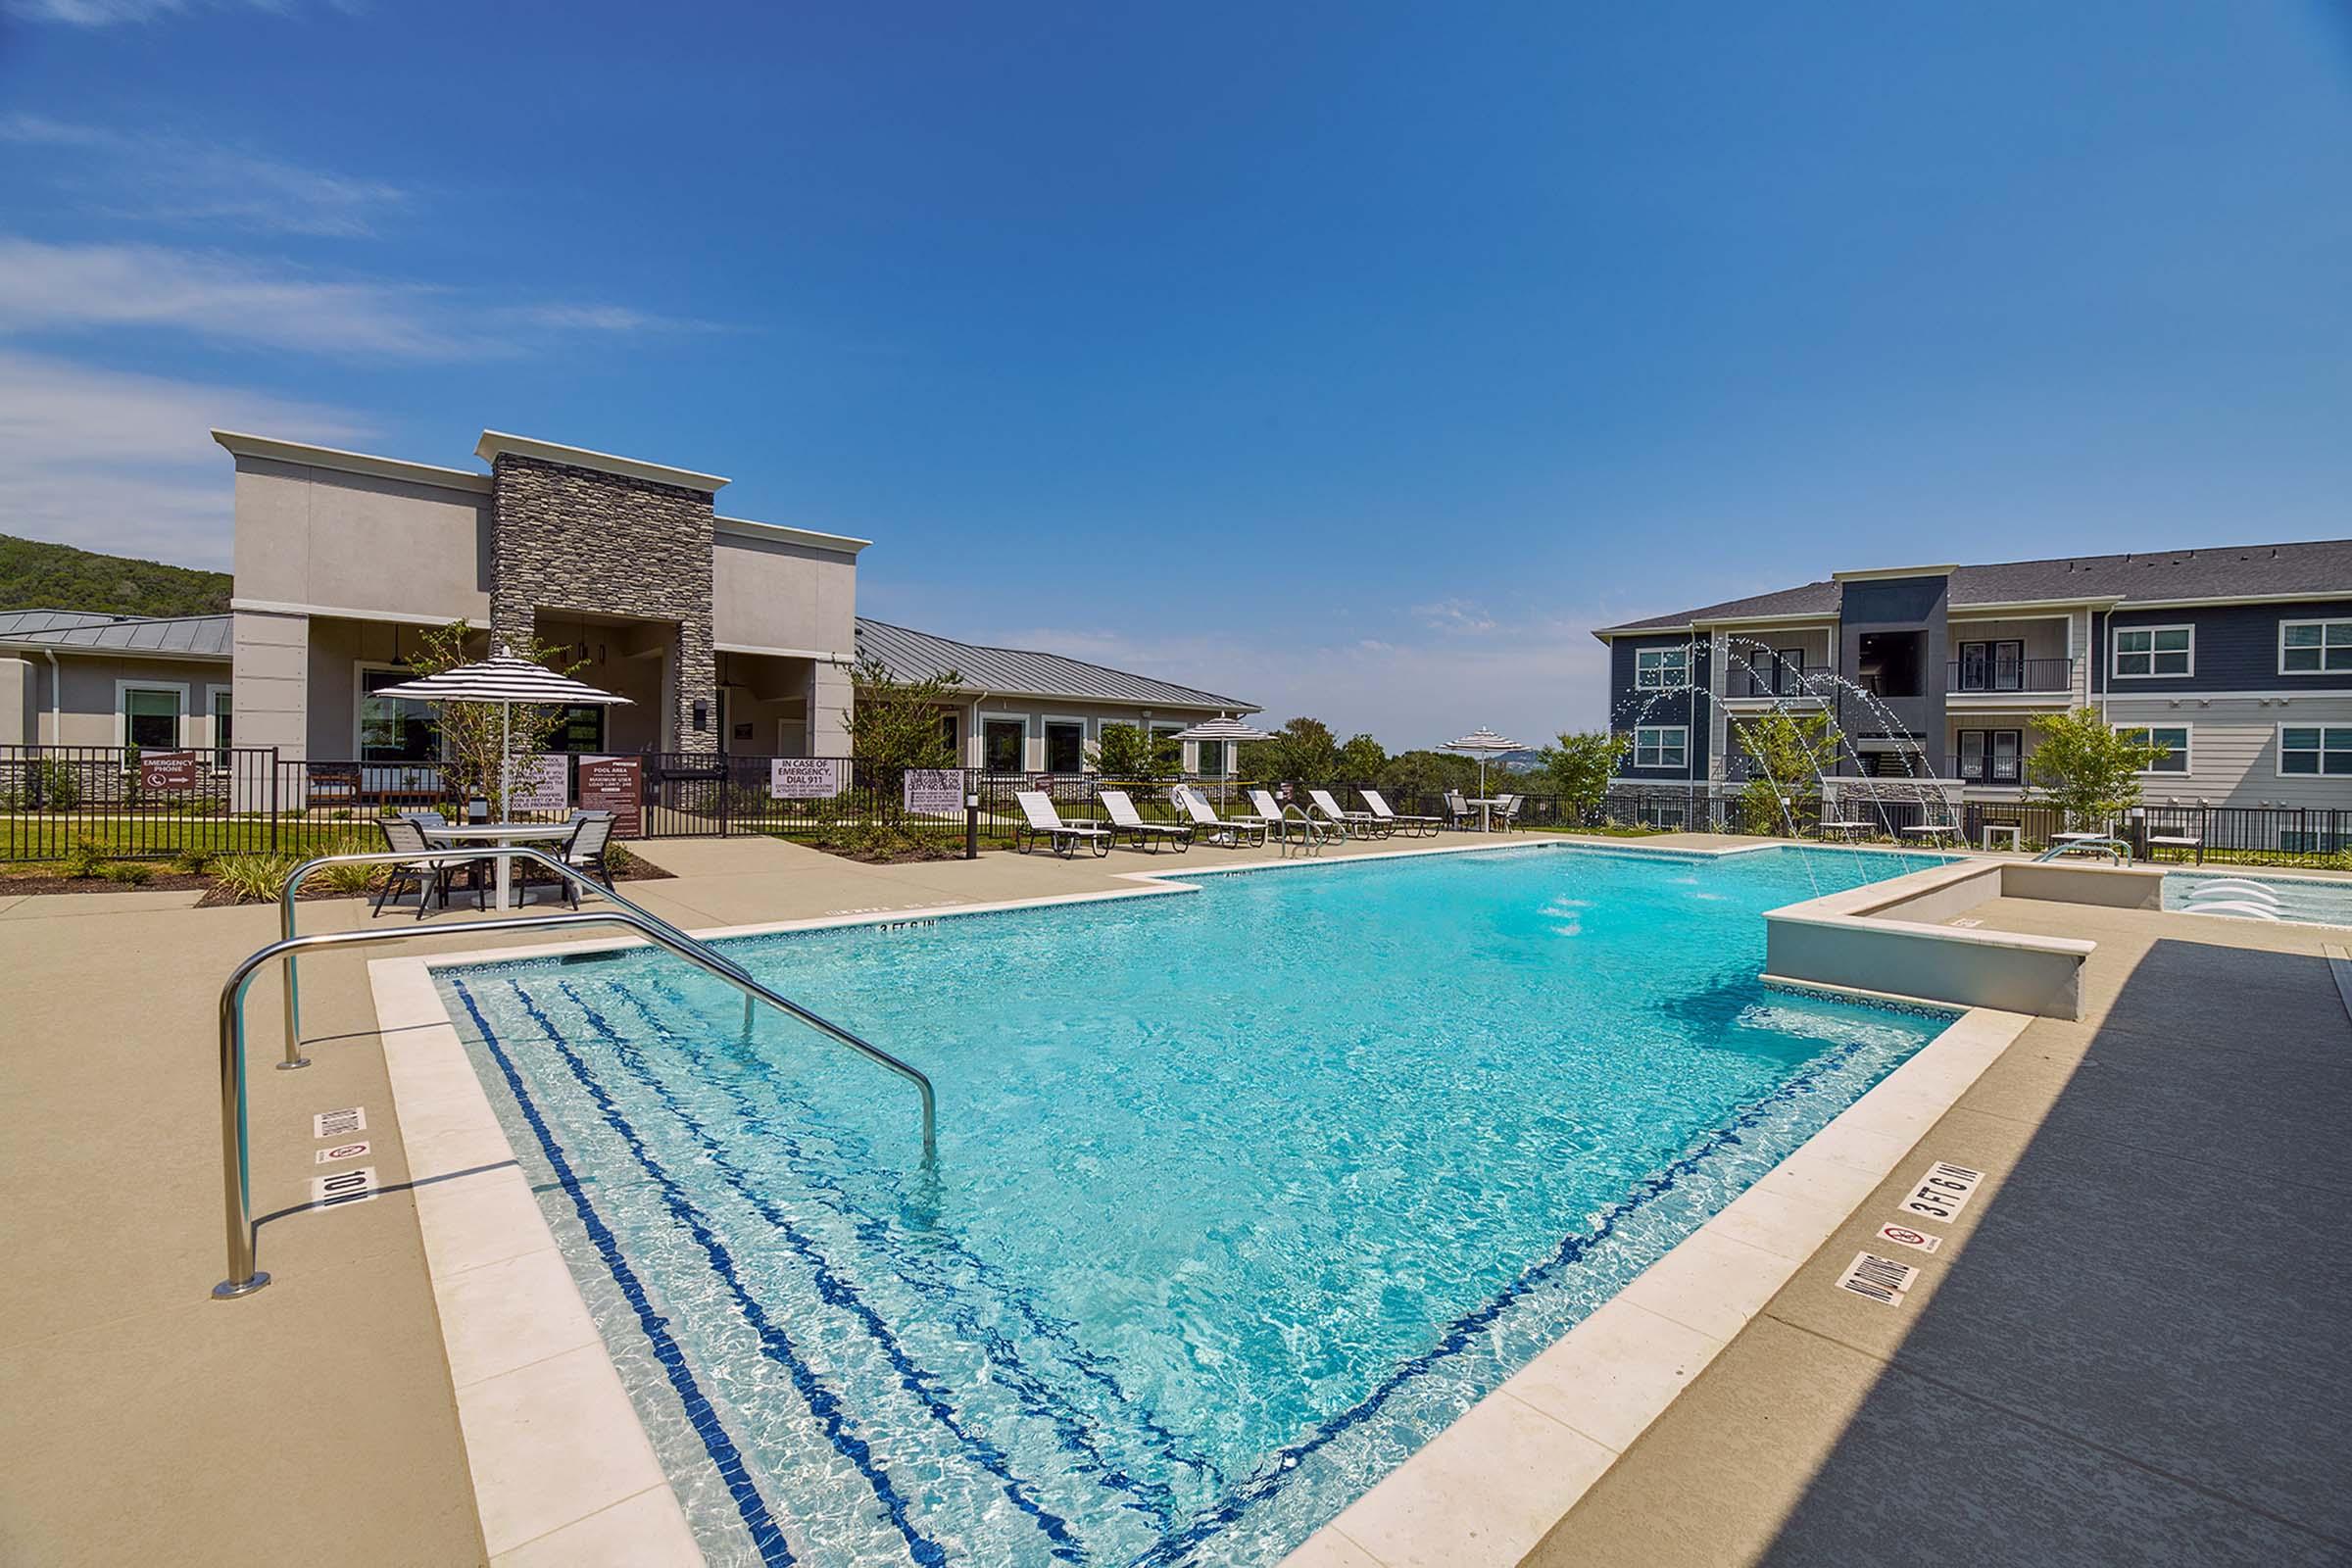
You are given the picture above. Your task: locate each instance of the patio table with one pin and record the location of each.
(1485, 805)
(457, 834)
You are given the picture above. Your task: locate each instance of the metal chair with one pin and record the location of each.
(430, 873)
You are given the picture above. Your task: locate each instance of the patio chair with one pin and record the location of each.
(1206, 820)
(1458, 812)
(584, 850)
(1355, 824)
(1040, 821)
(1412, 826)
(1124, 818)
(429, 874)
(1507, 813)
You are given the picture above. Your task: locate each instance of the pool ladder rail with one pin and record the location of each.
(235, 1159)
(2114, 850)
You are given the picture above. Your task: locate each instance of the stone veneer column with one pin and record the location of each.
(586, 540)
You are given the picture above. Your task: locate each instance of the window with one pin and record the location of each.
(1993, 666)
(1661, 670)
(2311, 647)
(2309, 748)
(1672, 814)
(1990, 756)
(151, 716)
(1788, 673)
(1665, 746)
(1065, 747)
(952, 735)
(221, 731)
(1213, 758)
(582, 729)
(1001, 745)
(395, 729)
(2172, 739)
(2155, 651)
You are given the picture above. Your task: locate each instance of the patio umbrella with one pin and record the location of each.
(1223, 728)
(506, 680)
(1486, 743)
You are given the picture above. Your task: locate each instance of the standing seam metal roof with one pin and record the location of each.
(163, 637)
(913, 655)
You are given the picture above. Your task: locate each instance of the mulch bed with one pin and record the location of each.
(14, 884)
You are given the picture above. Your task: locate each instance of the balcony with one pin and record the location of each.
(2010, 677)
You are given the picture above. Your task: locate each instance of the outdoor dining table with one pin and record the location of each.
(455, 835)
(1485, 805)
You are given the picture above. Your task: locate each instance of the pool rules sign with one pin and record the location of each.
(933, 792)
(615, 784)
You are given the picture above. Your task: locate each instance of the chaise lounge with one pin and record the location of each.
(1040, 821)
(1124, 818)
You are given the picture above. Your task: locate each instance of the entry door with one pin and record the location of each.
(2008, 666)
(1975, 666)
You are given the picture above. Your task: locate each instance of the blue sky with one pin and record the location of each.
(1351, 358)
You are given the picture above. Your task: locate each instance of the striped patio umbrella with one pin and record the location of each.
(1223, 729)
(506, 680)
(1486, 743)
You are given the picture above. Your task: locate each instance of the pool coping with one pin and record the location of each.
(561, 1462)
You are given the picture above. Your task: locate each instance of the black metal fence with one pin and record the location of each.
(127, 802)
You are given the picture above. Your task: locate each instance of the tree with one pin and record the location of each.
(1360, 761)
(2088, 770)
(1128, 752)
(1581, 767)
(1302, 752)
(482, 744)
(1787, 754)
(1422, 776)
(894, 726)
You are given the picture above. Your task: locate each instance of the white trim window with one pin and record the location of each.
(1661, 670)
(151, 714)
(223, 726)
(2315, 647)
(1065, 744)
(1003, 744)
(1662, 746)
(2173, 738)
(2311, 750)
(2148, 653)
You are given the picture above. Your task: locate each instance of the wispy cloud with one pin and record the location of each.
(181, 180)
(54, 290)
(111, 461)
(113, 13)
(1458, 615)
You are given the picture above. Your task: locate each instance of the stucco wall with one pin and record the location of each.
(774, 593)
(348, 541)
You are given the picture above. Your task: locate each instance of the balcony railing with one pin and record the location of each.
(1775, 681)
(2028, 675)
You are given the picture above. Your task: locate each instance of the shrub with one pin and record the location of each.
(193, 860)
(61, 786)
(87, 858)
(253, 878)
(130, 873)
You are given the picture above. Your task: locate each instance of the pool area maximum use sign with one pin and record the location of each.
(803, 778)
(935, 791)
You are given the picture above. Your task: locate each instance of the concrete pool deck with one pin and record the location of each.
(318, 1416)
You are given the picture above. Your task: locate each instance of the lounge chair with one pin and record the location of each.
(1040, 821)
(1309, 829)
(1412, 826)
(1124, 818)
(1356, 825)
(1206, 820)
(429, 874)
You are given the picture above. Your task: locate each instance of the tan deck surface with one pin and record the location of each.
(2132, 1347)
(2066, 1326)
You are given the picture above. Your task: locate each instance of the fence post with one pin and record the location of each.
(273, 799)
(727, 791)
(971, 821)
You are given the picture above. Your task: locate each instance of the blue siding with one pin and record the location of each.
(2236, 648)
(1686, 708)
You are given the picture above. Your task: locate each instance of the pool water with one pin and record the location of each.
(1243, 1194)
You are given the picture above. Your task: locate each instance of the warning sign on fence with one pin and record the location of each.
(935, 791)
(615, 784)
(803, 778)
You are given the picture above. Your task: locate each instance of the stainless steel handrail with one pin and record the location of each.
(2115, 850)
(236, 1182)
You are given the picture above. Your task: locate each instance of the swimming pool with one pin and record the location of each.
(1243, 1195)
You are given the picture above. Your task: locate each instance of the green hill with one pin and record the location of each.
(36, 576)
